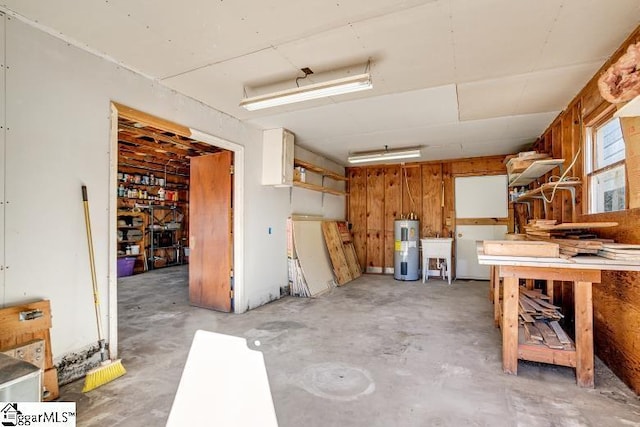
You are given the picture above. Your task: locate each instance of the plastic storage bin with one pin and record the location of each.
(125, 266)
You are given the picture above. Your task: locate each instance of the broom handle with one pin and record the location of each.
(92, 261)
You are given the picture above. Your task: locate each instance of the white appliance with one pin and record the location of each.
(20, 381)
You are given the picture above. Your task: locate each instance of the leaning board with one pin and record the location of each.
(333, 241)
(312, 254)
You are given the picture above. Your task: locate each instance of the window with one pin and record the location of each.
(605, 165)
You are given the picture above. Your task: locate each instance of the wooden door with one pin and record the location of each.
(210, 240)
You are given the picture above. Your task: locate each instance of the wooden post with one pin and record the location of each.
(492, 270)
(495, 277)
(550, 290)
(510, 325)
(584, 333)
(529, 284)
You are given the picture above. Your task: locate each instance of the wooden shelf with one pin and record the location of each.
(320, 188)
(136, 199)
(324, 173)
(547, 189)
(319, 170)
(533, 172)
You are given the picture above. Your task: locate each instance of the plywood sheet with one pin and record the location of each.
(392, 196)
(352, 260)
(375, 198)
(411, 190)
(389, 250)
(223, 383)
(313, 257)
(333, 242)
(375, 251)
(358, 211)
(432, 198)
(375, 219)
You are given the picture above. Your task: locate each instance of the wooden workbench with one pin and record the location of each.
(582, 271)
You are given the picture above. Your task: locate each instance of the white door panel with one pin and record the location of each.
(467, 266)
(478, 197)
(481, 196)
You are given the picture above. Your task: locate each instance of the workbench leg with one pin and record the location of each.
(584, 333)
(529, 284)
(550, 290)
(495, 277)
(510, 325)
(492, 271)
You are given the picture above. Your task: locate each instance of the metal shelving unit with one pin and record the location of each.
(163, 236)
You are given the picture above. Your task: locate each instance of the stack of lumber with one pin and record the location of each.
(620, 251)
(341, 251)
(573, 238)
(539, 320)
(520, 162)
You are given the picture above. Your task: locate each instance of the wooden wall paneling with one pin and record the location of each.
(392, 209)
(577, 145)
(567, 214)
(358, 211)
(449, 213)
(432, 192)
(375, 219)
(613, 339)
(613, 310)
(553, 210)
(411, 189)
(490, 165)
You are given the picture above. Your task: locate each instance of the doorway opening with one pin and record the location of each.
(165, 214)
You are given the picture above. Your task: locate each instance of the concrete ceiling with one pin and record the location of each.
(460, 77)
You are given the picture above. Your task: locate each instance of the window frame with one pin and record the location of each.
(596, 120)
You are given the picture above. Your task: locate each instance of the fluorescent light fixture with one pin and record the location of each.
(313, 91)
(379, 155)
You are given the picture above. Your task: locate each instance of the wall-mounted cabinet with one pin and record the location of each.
(277, 157)
(304, 169)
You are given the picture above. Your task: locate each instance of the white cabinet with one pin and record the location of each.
(277, 158)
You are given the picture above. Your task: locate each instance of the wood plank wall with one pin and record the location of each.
(378, 195)
(617, 299)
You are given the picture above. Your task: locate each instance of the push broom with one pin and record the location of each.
(108, 370)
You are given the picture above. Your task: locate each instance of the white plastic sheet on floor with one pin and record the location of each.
(224, 383)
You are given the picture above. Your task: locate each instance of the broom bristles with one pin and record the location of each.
(103, 374)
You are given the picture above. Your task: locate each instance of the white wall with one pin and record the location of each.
(58, 129)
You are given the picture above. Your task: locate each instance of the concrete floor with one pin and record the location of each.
(376, 352)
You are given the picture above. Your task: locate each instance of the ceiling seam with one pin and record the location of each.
(73, 42)
(200, 67)
(315, 32)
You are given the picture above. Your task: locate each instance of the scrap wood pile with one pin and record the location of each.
(573, 238)
(539, 319)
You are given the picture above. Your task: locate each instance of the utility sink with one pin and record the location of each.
(439, 248)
